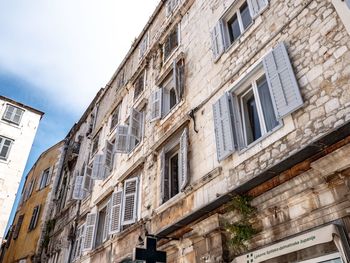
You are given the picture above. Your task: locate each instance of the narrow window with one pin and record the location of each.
(115, 117)
(13, 114)
(5, 146)
(95, 144)
(233, 28)
(139, 85)
(171, 42)
(174, 174)
(100, 226)
(44, 178)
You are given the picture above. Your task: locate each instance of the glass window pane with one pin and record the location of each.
(245, 15)
(233, 28)
(266, 104)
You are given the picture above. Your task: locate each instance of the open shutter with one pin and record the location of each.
(36, 218)
(39, 181)
(98, 167)
(116, 209)
(49, 177)
(178, 77)
(107, 221)
(223, 127)
(183, 161)
(89, 231)
(78, 188)
(108, 155)
(121, 142)
(218, 39)
(130, 201)
(135, 128)
(87, 184)
(282, 83)
(255, 6)
(347, 3)
(156, 104)
(164, 187)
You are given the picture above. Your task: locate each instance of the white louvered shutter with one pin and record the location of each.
(81, 240)
(223, 122)
(256, 6)
(98, 167)
(121, 142)
(218, 39)
(107, 221)
(178, 78)
(116, 209)
(183, 161)
(156, 104)
(164, 177)
(87, 184)
(283, 85)
(135, 128)
(109, 158)
(130, 195)
(90, 226)
(78, 188)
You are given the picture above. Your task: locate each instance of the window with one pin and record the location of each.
(18, 227)
(129, 136)
(174, 174)
(34, 219)
(103, 163)
(5, 146)
(171, 6)
(143, 46)
(257, 104)
(78, 242)
(101, 225)
(115, 117)
(234, 22)
(170, 93)
(171, 43)
(139, 84)
(95, 143)
(13, 114)
(45, 179)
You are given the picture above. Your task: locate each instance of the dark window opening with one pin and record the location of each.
(100, 226)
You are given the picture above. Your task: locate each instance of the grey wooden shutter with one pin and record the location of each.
(256, 6)
(116, 209)
(178, 78)
(87, 184)
(78, 188)
(108, 155)
(347, 3)
(89, 231)
(283, 85)
(156, 104)
(121, 142)
(130, 201)
(164, 173)
(224, 135)
(218, 39)
(98, 167)
(183, 161)
(135, 128)
(107, 221)
(49, 177)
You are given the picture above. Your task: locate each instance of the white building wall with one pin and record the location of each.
(12, 169)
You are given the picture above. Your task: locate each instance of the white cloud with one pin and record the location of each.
(69, 48)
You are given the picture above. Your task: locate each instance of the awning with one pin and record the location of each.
(319, 236)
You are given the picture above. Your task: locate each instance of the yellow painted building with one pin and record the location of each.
(26, 235)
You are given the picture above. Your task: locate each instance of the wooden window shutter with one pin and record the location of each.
(87, 184)
(121, 142)
(164, 176)
(183, 160)
(282, 83)
(49, 177)
(224, 136)
(98, 167)
(116, 209)
(129, 215)
(347, 3)
(135, 128)
(109, 151)
(256, 6)
(18, 226)
(107, 221)
(178, 77)
(89, 231)
(36, 217)
(78, 188)
(156, 104)
(218, 39)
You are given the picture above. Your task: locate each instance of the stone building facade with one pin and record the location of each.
(27, 232)
(216, 99)
(18, 126)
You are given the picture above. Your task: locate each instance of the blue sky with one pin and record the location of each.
(55, 55)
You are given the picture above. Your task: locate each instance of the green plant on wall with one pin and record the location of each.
(241, 231)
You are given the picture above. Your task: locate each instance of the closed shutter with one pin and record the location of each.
(164, 176)
(183, 161)
(121, 142)
(178, 78)
(282, 83)
(218, 39)
(130, 201)
(78, 188)
(256, 6)
(116, 209)
(108, 155)
(107, 221)
(156, 104)
(87, 185)
(18, 226)
(224, 136)
(89, 231)
(98, 167)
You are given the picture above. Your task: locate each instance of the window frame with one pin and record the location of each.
(45, 172)
(100, 234)
(168, 36)
(8, 105)
(138, 80)
(95, 144)
(34, 219)
(117, 110)
(3, 140)
(143, 46)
